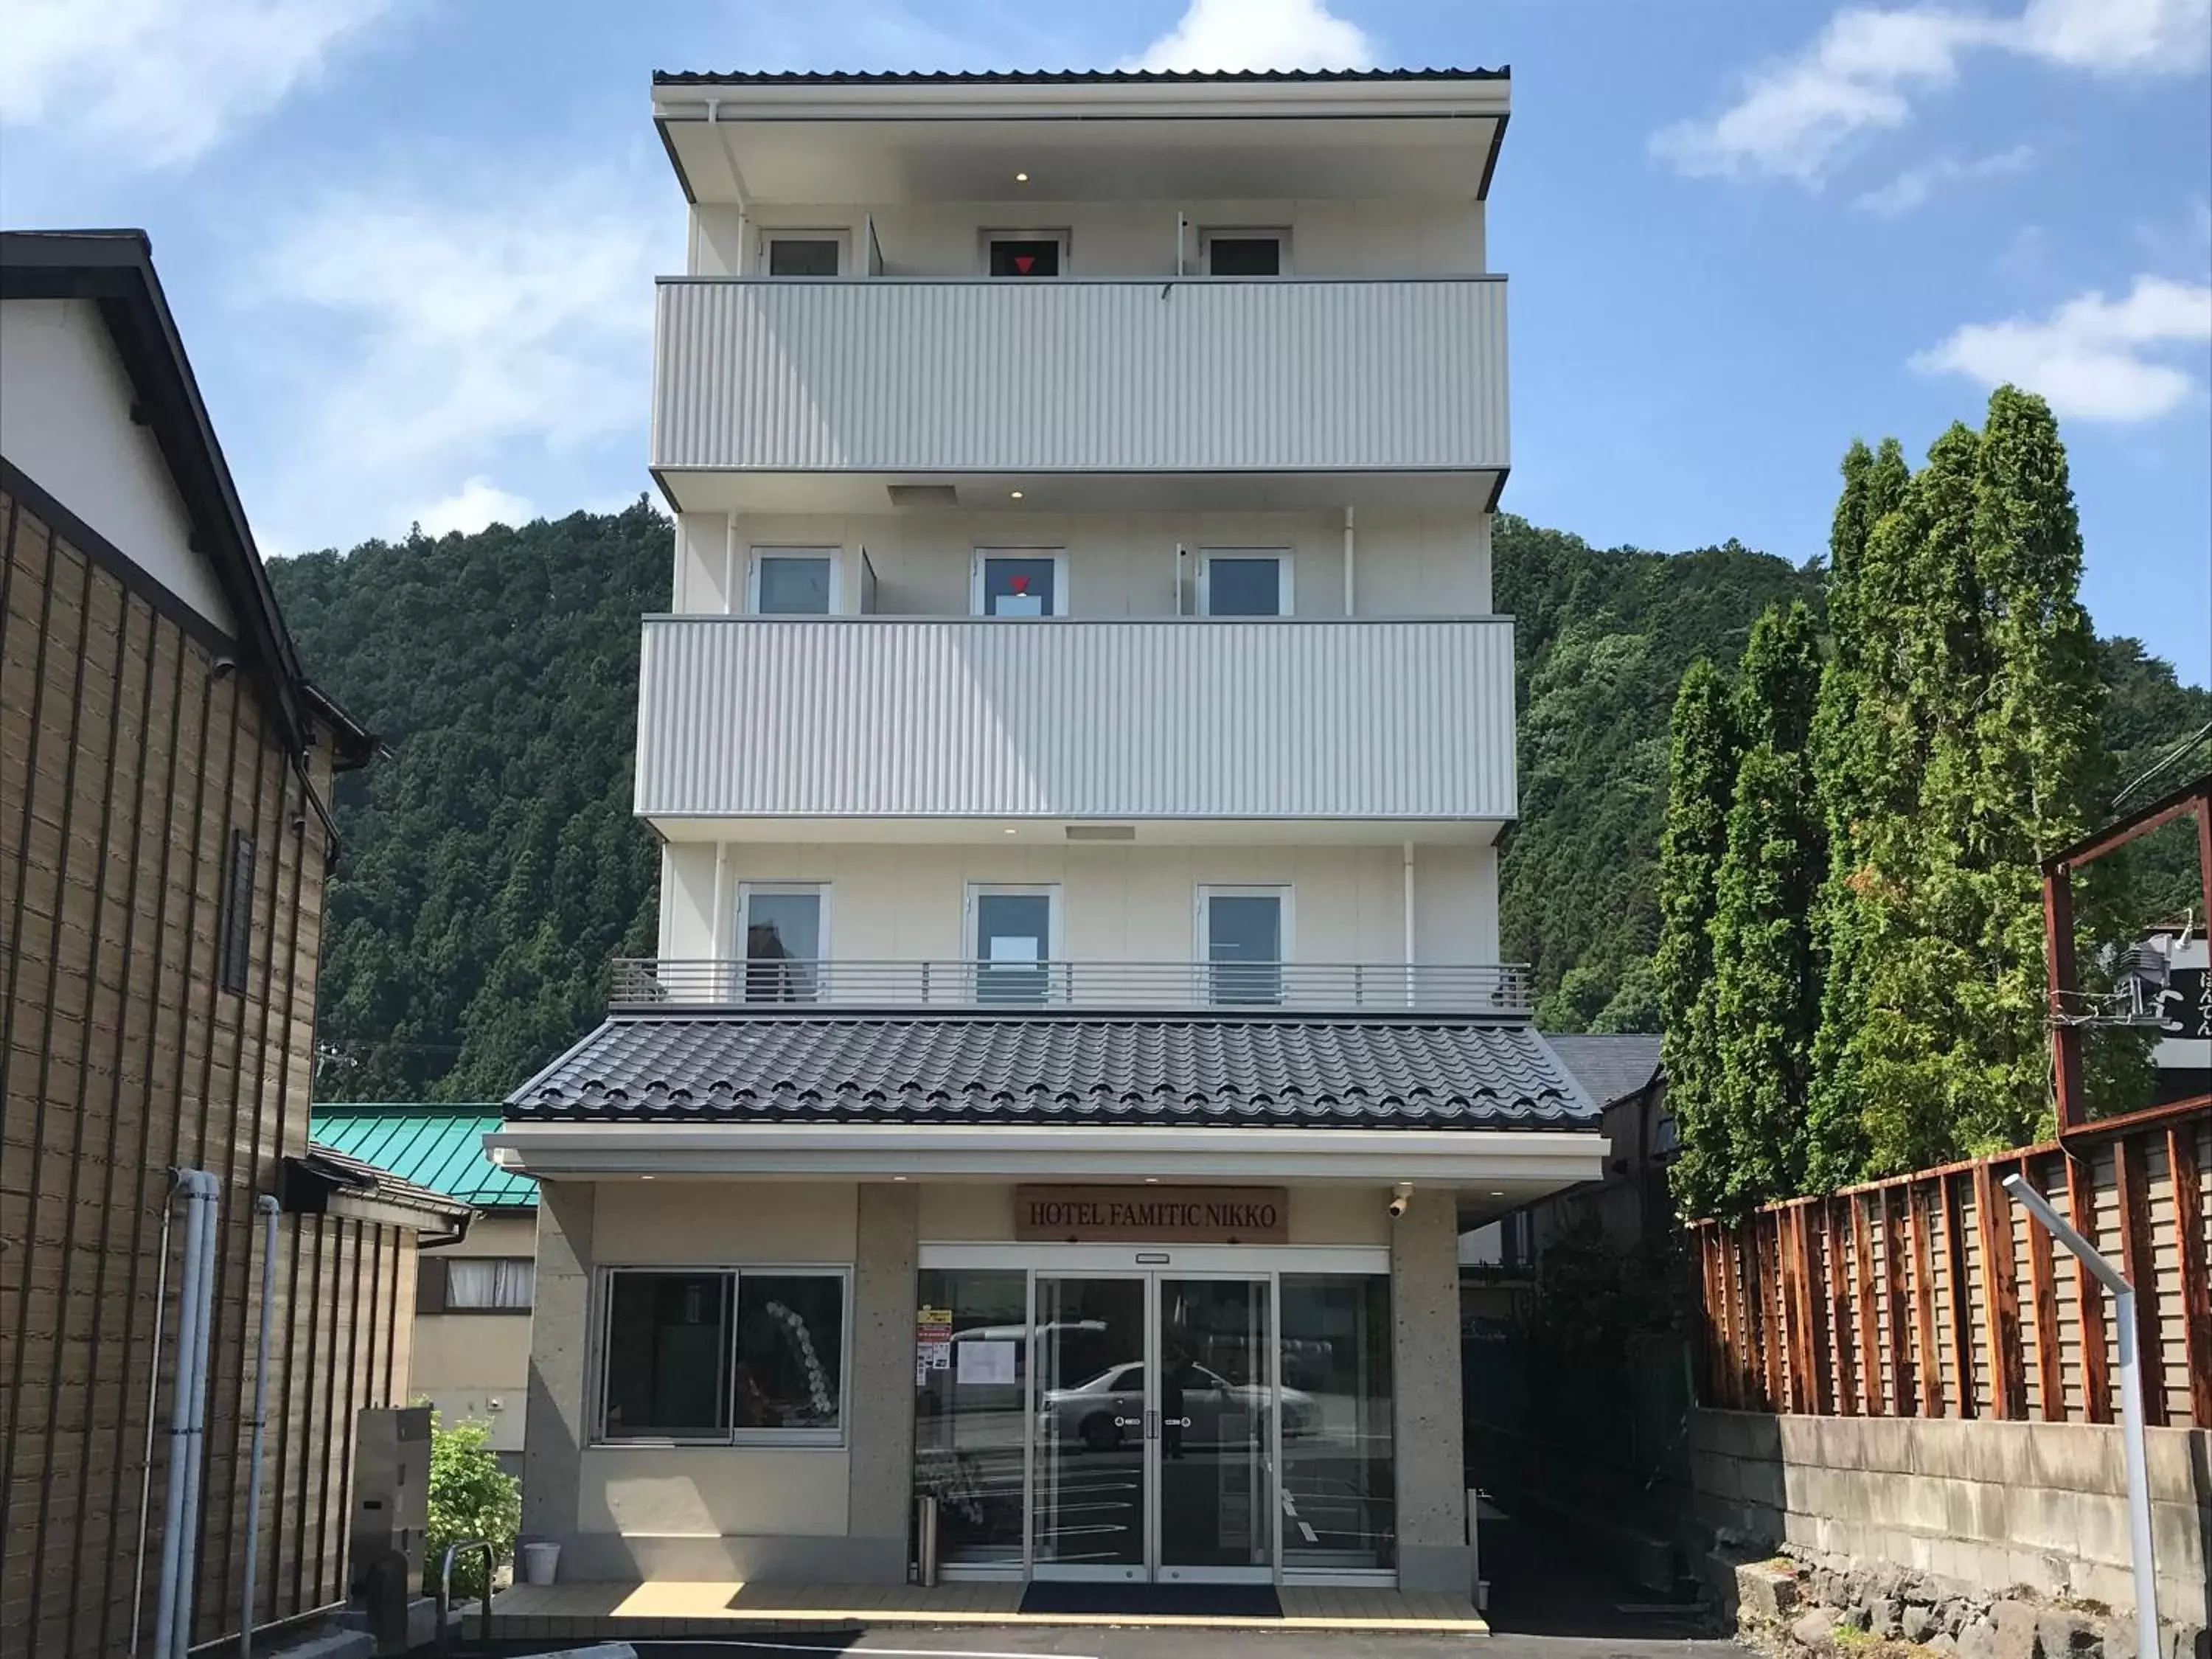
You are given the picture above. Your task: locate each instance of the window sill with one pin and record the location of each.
(748, 1440)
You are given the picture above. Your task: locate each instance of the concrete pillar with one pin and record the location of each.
(1432, 1549)
(880, 1432)
(555, 1432)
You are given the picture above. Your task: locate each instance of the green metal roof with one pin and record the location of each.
(440, 1147)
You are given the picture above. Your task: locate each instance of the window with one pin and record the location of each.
(1240, 936)
(790, 1370)
(1019, 585)
(237, 927)
(814, 254)
(490, 1284)
(1244, 584)
(794, 583)
(668, 1356)
(784, 939)
(1015, 929)
(724, 1354)
(1022, 255)
(1244, 252)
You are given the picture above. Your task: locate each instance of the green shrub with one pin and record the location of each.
(470, 1497)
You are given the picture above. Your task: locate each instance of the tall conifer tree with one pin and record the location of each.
(1766, 994)
(1700, 781)
(1851, 775)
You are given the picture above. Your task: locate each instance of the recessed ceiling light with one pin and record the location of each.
(1013, 494)
(1021, 177)
(1497, 1195)
(644, 1177)
(1151, 1181)
(898, 1177)
(1010, 832)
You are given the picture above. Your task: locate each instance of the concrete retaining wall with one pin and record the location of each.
(1983, 1501)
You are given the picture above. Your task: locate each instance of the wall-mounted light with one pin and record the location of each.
(1021, 177)
(1013, 494)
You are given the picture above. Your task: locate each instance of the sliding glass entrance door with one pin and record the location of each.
(1090, 1508)
(1154, 1425)
(1218, 1404)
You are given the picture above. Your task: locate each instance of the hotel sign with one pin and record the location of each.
(1149, 1215)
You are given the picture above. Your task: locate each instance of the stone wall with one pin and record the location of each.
(1975, 1502)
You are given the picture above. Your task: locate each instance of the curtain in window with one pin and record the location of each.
(490, 1282)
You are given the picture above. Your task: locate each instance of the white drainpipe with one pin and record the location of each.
(266, 1208)
(1349, 564)
(172, 1612)
(1411, 975)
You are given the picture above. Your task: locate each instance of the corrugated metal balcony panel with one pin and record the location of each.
(1081, 376)
(967, 718)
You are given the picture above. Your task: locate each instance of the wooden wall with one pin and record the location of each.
(127, 761)
(1935, 1295)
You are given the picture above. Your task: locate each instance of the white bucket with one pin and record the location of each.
(540, 1562)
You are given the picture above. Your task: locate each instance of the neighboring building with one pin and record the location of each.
(1079, 747)
(2178, 996)
(470, 1357)
(1625, 1208)
(165, 771)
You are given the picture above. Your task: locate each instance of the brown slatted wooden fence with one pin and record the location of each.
(1933, 1294)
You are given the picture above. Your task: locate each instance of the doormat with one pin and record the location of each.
(1153, 1601)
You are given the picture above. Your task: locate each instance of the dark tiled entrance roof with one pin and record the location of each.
(1263, 1070)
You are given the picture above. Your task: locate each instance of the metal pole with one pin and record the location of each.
(2132, 1406)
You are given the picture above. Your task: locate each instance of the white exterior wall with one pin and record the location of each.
(1439, 238)
(65, 421)
(1117, 903)
(1406, 564)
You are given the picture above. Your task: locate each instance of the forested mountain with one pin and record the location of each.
(492, 866)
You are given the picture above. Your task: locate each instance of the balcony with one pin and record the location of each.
(903, 379)
(1402, 726)
(644, 985)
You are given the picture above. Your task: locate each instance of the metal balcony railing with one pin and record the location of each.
(642, 984)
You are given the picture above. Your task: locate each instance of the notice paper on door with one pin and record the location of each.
(986, 1362)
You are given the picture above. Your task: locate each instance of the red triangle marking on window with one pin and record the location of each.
(1024, 261)
(1021, 584)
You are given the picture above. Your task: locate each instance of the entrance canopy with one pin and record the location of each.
(1482, 1107)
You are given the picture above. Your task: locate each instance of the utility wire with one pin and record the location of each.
(2180, 751)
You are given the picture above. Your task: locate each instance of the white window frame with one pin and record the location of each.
(1059, 557)
(843, 236)
(1286, 593)
(971, 933)
(1203, 917)
(603, 1279)
(1245, 232)
(991, 234)
(836, 556)
(746, 892)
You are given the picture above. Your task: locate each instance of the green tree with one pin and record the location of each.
(1848, 748)
(1765, 996)
(1701, 769)
(471, 1499)
(1978, 720)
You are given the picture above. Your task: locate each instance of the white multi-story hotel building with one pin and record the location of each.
(1079, 740)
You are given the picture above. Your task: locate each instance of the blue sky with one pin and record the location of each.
(411, 245)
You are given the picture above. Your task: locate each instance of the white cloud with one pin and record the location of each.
(1914, 187)
(2092, 357)
(163, 81)
(476, 503)
(459, 330)
(1259, 34)
(1796, 118)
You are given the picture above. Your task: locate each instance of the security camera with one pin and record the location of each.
(1401, 1196)
(224, 667)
